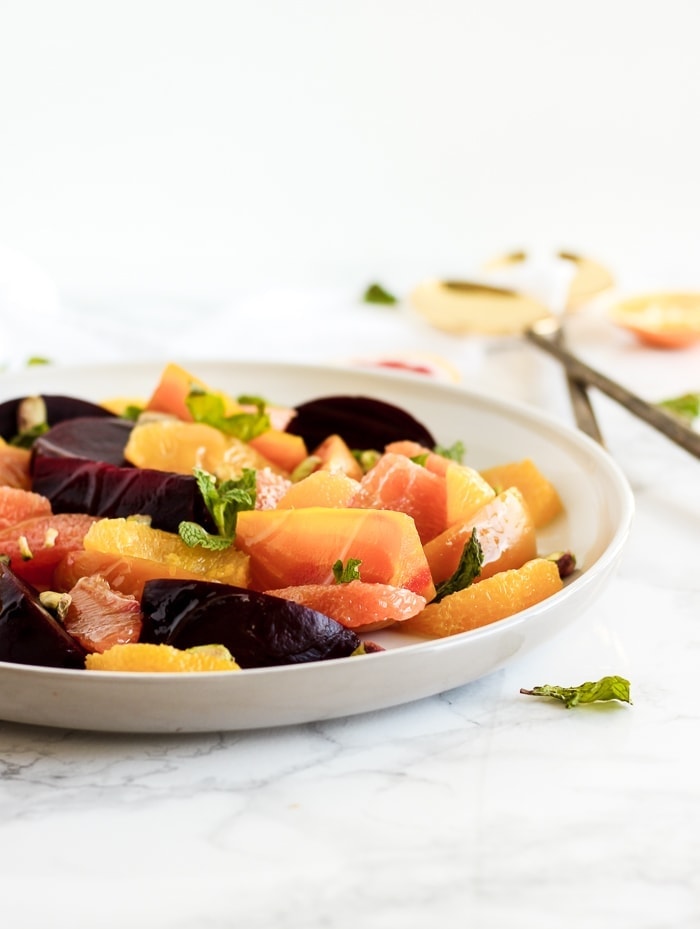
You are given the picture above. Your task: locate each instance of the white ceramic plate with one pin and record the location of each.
(599, 508)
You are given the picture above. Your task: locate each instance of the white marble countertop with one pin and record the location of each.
(477, 807)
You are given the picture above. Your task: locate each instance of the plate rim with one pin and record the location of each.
(507, 407)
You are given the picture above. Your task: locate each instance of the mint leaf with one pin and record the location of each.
(607, 688)
(685, 407)
(251, 400)
(421, 459)
(193, 534)
(454, 452)
(209, 409)
(375, 293)
(224, 502)
(468, 568)
(343, 574)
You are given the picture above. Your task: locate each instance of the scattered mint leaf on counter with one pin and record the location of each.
(37, 360)
(209, 409)
(224, 502)
(686, 407)
(607, 688)
(468, 568)
(375, 293)
(343, 574)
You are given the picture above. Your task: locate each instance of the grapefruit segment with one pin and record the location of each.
(397, 483)
(433, 462)
(494, 598)
(17, 505)
(99, 617)
(505, 531)
(270, 488)
(356, 604)
(540, 494)
(292, 547)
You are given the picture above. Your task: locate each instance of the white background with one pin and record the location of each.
(190, 148)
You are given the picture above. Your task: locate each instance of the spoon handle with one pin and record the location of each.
(581, 405)
(673, 429)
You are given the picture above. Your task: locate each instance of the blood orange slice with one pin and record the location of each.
(35, 546)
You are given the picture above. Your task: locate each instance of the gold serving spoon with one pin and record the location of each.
(462, 307)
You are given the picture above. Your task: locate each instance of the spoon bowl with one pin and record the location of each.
(661, 320)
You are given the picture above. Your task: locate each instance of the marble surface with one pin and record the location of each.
(478, 807)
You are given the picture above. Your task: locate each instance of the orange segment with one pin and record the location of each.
(465, 491)
(505, 531)
(143, 656)
(540, 494)
(123, 572)
(494, 598)
(171, 445)
(138, 540)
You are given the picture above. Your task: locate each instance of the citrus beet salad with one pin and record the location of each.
(196, 531)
